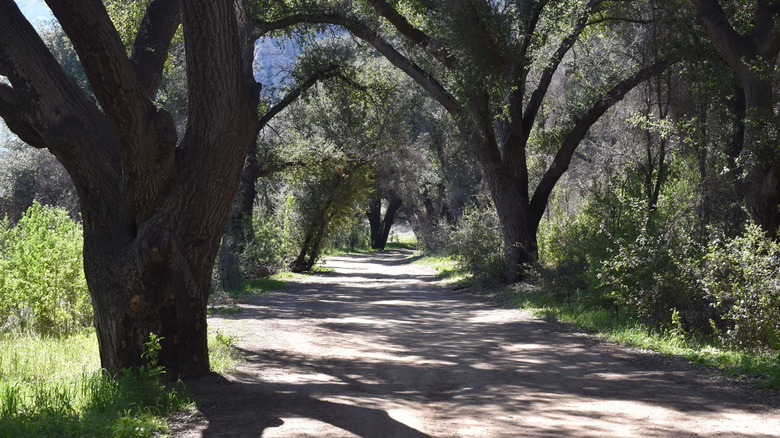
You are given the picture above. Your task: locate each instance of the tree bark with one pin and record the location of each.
(374, 215)
(154, 205)
(394, 204)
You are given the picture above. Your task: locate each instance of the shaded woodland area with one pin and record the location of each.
(623, 155)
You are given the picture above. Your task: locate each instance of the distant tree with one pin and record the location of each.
(28, 174)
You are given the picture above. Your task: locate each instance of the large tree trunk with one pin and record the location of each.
(394, 203)
(509, 192)
(761, 185)
(148, 286)
(154, 205)
(374, 215)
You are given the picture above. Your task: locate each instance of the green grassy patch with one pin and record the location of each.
(319, 269)
(446, 268)
(54, 387)
(401, 241)
(401, 245)
(223, 356)
(256, 286)
(760, 370)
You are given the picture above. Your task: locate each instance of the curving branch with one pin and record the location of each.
(563, 158)
(147, 134)
(544, 83)
(102, 53)
(532, 12)
(16, 120)
(414, 34)
(360, 30)
(293, 94)
(729, 43)
(47, 108)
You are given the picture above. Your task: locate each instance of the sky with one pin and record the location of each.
(34, 10)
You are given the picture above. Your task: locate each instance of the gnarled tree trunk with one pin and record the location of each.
(154, 204)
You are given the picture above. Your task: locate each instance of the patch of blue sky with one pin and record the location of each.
(36, 11)
(274, 62)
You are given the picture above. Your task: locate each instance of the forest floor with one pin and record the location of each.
(379, 348)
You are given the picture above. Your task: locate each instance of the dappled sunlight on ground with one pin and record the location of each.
(379, 349)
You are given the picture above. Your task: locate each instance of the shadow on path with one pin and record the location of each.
(378, 349)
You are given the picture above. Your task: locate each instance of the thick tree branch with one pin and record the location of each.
(222, 115)
(110, 73)
(151, 45)
(147, 134)
(16, 120)
(563, 157)
(414, 34)
(535, 103)
(47, 108)
(766, 33)
(731, 45)
(291, 96)
(360, 30)
(530, 12)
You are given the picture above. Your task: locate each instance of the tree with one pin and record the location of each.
(490, 65)
(321, 63)
(380, 225)
(750, 44)
(154, 203)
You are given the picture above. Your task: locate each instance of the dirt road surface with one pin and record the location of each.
(380, 349)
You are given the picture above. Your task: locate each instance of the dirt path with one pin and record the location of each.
(379, 349)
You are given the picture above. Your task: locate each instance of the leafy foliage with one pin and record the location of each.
(477, 244)
(743, 276)
(42, 285)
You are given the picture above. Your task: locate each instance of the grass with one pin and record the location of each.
(759, 370)
(256, 286)
(402, 241)
(223, 357)
(54, 387)
(446, 267)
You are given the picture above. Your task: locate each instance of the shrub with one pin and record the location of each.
(42, 285)
(743, 276)
(477, 243)
(267, 242)
(651, 277)
(432, 236)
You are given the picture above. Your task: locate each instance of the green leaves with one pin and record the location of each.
(743, 276)
(42, 285)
